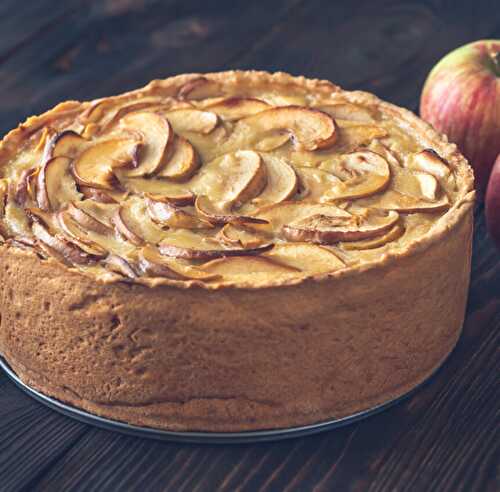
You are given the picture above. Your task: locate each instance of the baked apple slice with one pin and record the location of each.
(350, 112)
(311, 129)
(240, 236)
(25, 188)
(182, 162)
(353, 135)
(65, 144)
(121, 266)
(199, 88)
(155, 264)
(235, 108)
(86, 220)
(207, 209)
(55, 184)
(192, 120)
(401, 202)
(188, 245)
(323, 229)
(309, 258)
(95, 166)
(169, 215)
(232, 179)
(157, 141)
(428, 161)
(358, 174)
(391, 235)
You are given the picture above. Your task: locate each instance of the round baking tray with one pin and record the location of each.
(198, 437)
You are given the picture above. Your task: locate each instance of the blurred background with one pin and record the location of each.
(82, 49)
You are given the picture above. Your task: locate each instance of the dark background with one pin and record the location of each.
(443, 438)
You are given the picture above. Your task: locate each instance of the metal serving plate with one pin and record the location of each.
(197, 437)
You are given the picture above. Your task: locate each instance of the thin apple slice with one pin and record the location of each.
(95, 166)
(157, 141)
(55, 184)
(78, 236)
(156, 265)
(240, 236)
(311, 129)
(133, 222)
(255, 269)
(429, 162)
(64, 249)
(168, 215)
(66, 144)
(360, 174)
(182, 163)
(282, 182)
(180, 200)
(400, 202)
(103, 196)
(353, 135)
(392, 235)
(25, 190)
(213, 214)
(4, 191)
(272, 142)
(232, 179)
(280, 215)
(428, 185)
(120, 265)
(191, 246)
(86, 220)
(324, 229)
(310, 258)
(235, 108)
(350, 111)
(199, 88)
(192, 120)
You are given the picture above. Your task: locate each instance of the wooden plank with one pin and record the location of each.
(99, 54)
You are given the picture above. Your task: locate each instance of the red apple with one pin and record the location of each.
(461, 98)
(493, 203)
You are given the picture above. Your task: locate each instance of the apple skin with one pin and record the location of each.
(461, 98)
(493, 203)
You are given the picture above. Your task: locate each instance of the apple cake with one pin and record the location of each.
(231, 251)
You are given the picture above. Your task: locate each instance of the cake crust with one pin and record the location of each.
(233, 356)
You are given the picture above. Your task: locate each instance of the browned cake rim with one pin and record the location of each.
(170, 87)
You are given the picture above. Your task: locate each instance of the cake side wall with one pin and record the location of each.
(234, 359)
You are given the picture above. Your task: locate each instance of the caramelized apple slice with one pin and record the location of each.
(94, 167)
(87, 221)
(210, 212)
(102, 196)
(249, 268)
(192, 246)
(192, 120)
(282, 214)
(392, 235)
(282, 182)
(156, 265)
(182, 162)
(232, 179)
(349, 111)
(324, 229)
(272, 142)
(120, 265)
(78, 236)
(55, 184)
(428, 185)
(235, 108)
(61, 247)
(65, 144)
(157, 139)
(24, 189)
(359, 174)
(429, 162)
(133, 223)
(167, 214)
(311, 129)
(199, 88)
(179, 200)
(240, 236)
(307, 257)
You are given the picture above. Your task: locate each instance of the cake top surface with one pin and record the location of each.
(232, 179)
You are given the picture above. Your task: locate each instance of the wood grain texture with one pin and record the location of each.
(445, 437)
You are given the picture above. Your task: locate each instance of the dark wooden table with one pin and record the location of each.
(446, 436)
